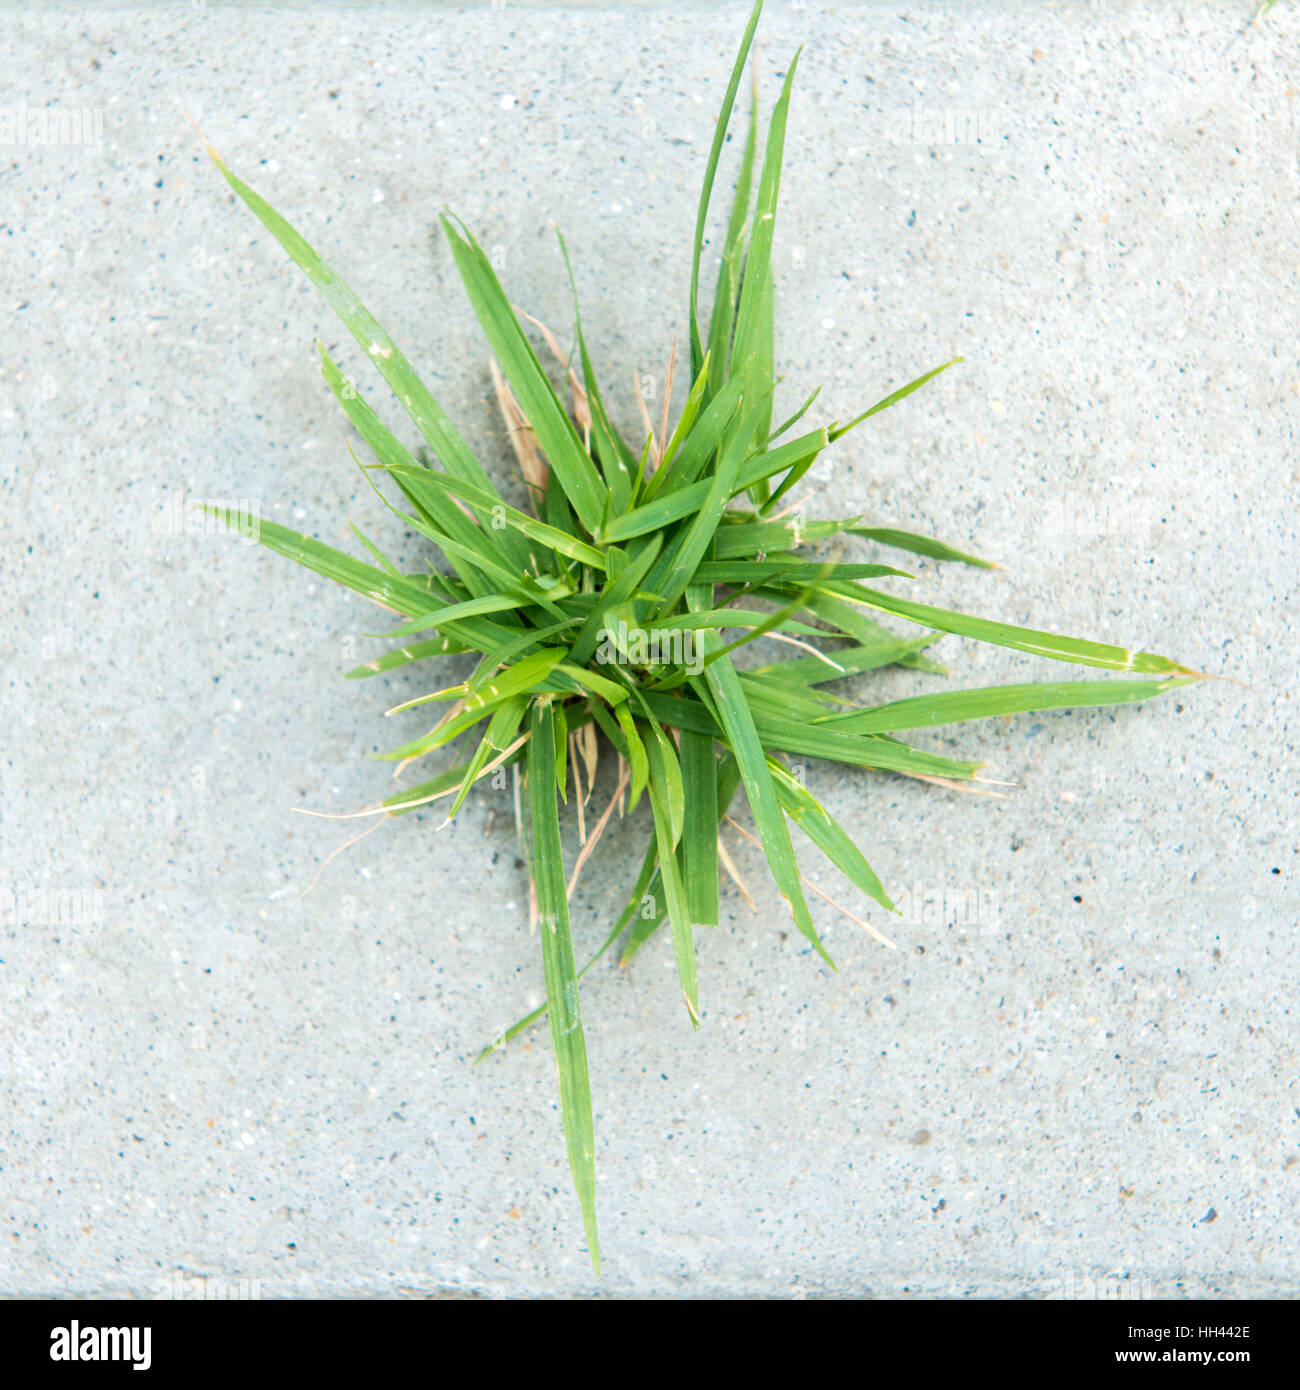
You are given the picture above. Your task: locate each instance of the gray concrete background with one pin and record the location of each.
(1094, 1089)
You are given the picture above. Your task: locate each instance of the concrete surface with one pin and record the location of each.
(1090, 1089)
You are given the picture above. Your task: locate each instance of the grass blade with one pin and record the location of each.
(429, 417)
(706, 190)
(617, 460)
(918, 545)
(809, 670)
(403, 656)
(558, 963)
(1023, 639)
(746, 746)
(499, 515)
(501, 731)
(438, 512)
(893, 398)
(827, 834)
(671, 879)
(613, 597)
(569, 461)
(402, 596)
(752, 347)
(723, 322)
(954, 706)
(700, 833)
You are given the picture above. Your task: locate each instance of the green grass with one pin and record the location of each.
(634, 539)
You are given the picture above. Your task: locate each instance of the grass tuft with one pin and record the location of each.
(600, 616)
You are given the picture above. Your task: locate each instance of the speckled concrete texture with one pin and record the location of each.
(1078, 1072)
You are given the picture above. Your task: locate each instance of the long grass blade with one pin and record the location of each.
(706, 189)
(743, 739)
(569, 461)
(560, 970)
(954, 706)
(1024, 639)
(429, 417)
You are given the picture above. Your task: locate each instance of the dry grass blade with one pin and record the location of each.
(822, 894)
(649, 429)
(668, 396)
(580, 801)
(586, 852)
(590, 754)
(725, 859)
(448, 782)
(334, 853)
(520, 433)
(581, 405)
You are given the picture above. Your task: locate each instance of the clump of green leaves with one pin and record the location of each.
(600, 616)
